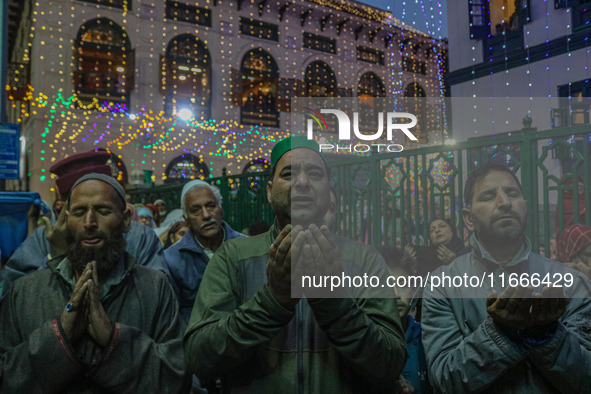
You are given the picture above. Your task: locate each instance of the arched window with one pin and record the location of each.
(414, 90)
(186, 81)
(186, 167)
(320, 80)
(259, 164)
(370, 85)
(259, 89)
(417, 105)
(104, 63)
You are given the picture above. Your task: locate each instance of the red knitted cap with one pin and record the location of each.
(73, 167)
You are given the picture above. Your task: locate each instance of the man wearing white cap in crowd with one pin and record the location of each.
(161, 205)
(186, 260)
(94, 321)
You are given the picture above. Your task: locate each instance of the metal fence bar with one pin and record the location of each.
(389, 198)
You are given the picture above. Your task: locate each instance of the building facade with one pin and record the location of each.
(530, 49)
(177, 90)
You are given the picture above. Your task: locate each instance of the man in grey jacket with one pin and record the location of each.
(506, 335)
(94, 321)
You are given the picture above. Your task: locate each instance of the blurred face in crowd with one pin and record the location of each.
(176, 237)
(440, 232)
(300, 189)
(161, 205)
(203, 214)
(405, 294)
(498, 212)
(58, 205)
(145, 220)
(97, 219)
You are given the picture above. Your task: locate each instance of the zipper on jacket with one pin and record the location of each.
(300, 346)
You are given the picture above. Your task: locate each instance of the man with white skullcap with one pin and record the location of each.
(186, 260)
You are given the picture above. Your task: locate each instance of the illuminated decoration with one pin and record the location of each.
(370, 85)
(123, 4)
(259, 29)
(259, 89)
(118, 169)
(370, 55)
(186, 76)
(185, 114)
(188, 13)
(121, 129)
(186, 167)
(259, 164)
(319, 43)
(417, 54)
(321, 80)
(104, 63)
(168, 56)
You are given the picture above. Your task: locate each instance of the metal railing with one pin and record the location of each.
(389, 198)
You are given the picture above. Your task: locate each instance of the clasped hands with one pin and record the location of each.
(519, 308)
(296, 252)
(84, 312)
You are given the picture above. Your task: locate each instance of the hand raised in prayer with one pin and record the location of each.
(73, 318)
(58, 236)
(403, 386)
(511, 310)
(99, 325)
(445, 255)
(279, 268)
(411, 251)
(547, 307)
(320, 253)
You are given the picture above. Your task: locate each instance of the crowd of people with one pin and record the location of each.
(108, 296)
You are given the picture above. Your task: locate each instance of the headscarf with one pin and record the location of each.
(147, 212)
(572, 240)
(455, 244)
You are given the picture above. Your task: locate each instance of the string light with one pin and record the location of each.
(92, 99)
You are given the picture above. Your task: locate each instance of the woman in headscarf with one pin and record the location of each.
(444, 247)
(145, 217)
(574, 248)
(175, 233)
(568, 208)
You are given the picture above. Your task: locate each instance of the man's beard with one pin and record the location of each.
(495, 236)
(107, 256)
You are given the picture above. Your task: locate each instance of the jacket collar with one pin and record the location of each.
(482, 254)
(188, 242)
